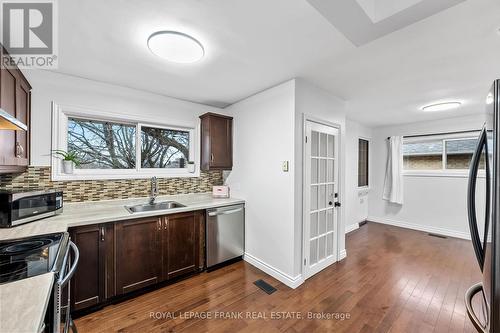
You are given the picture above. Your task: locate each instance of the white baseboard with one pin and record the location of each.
(343, 254)
(351, 227)
(419, 227)
(292, 282)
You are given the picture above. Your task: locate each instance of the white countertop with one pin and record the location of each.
(23, 303)
(93, 212)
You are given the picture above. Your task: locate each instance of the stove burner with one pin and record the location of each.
(25, 246)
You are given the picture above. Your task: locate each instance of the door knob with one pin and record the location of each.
(330, 203)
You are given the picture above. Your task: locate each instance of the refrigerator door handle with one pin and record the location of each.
(471, 197)
(469, 295)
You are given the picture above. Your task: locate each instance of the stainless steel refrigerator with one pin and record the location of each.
(483, 299)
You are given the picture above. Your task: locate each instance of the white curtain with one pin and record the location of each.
(393, 185)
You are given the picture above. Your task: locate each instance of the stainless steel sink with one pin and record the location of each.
(165, 205)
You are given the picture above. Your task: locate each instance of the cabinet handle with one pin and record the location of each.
(165, 225)
(102, 234)
(211, 157)
(159, 224)
(19, 150)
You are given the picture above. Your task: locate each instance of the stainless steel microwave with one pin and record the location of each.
(23, 207)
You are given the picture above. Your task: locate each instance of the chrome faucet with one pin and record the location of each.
(154, 190)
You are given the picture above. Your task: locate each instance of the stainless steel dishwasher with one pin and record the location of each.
(225, 234)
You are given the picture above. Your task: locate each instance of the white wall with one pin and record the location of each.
(434, 204)
(356, 199)
(268, 130)
(320, 104)
(263, 139)
(70, 90)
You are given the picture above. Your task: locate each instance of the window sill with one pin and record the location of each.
(120, 175)
(444, 174)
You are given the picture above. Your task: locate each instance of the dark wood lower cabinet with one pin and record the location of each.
(180, 244)
(117, 258)
(92, 282)
(138, 254)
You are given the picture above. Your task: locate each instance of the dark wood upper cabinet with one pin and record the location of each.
(180, 244)
(216, 142)
(93, 281)
(15, 99)
(138, 254)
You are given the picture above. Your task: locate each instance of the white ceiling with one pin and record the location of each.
(363, 21)
(252, 45)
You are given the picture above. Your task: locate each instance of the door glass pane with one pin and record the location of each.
(329, 244)
(314, 225)
(322, 196)
(330, 195)
(331, 147)
(322, 170)
(313, 257)
(322, 222)
(329, 219)
(322, 248)
(330, 170)
(314, 143)
(314, 170)
(314, 197)
(322, 145)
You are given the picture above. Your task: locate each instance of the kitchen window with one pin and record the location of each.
(445, 154)
(363, 160)
(111, 146)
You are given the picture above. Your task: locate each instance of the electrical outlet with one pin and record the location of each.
(285, 166)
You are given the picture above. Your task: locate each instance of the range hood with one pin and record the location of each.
(8, 122)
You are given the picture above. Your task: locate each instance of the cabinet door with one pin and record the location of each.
(180, 244)
(138, 254)
(221, 145)
(87, 285)
(8, 104)
(22, 114)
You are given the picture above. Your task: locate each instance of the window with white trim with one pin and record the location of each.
(110, 146)
(451, 152)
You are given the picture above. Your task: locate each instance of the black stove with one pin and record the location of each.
(26, 257)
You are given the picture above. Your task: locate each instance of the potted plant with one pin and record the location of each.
(69, 160)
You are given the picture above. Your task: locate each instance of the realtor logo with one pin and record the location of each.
(28, 33)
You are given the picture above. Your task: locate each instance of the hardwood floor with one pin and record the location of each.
(393, 280)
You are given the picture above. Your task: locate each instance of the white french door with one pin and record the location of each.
(321, 191)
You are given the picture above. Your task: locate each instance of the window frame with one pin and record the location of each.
(60, 115)
(367, 187)
(444, 171)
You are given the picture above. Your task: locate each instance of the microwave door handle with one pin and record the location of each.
(65, 278)
(469, 295)
(471, 198)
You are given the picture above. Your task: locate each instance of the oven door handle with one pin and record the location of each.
(64, 279)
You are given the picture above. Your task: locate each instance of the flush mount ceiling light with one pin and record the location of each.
(441, 106)
(176, 47)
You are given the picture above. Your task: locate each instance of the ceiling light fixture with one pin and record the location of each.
(176, 47)
(441, 106)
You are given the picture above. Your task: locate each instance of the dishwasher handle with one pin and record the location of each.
(225, 212)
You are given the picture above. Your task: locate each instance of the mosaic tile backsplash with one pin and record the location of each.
(95, 190)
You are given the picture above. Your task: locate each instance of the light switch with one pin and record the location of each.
(285, 166)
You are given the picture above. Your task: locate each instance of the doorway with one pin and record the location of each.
(321, 196)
